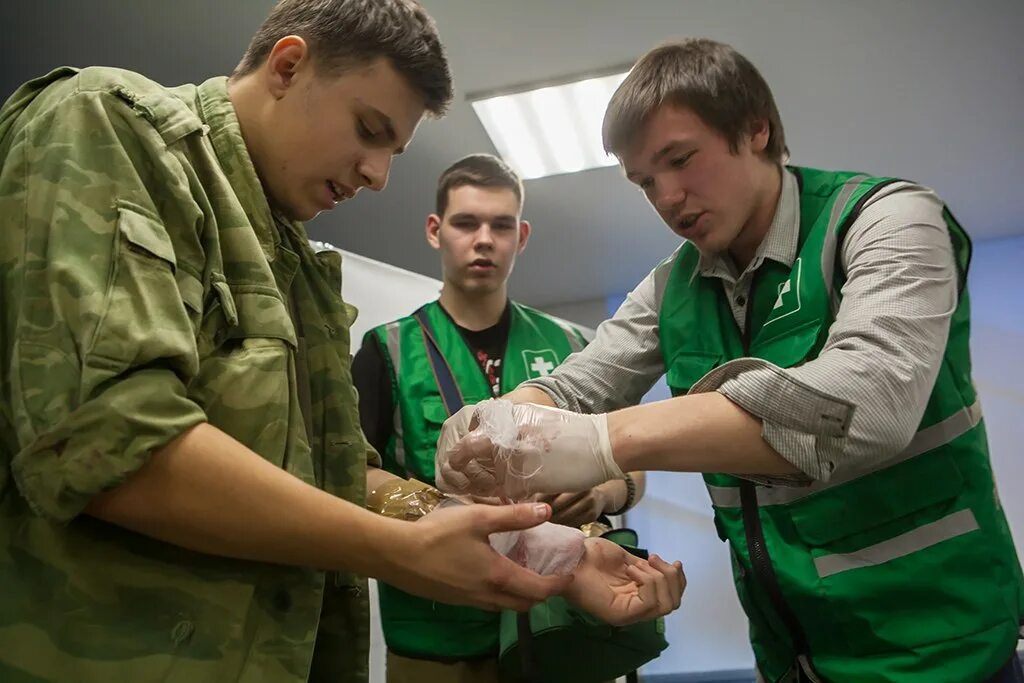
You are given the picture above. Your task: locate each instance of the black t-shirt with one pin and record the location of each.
(373, 382)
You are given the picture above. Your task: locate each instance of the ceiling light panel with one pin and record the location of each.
(550, 130)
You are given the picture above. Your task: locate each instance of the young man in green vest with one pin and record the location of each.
(491, 344)
(814, 329)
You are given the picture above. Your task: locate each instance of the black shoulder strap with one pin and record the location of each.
(450, 394)
(452, 399)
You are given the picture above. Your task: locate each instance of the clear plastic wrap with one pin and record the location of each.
(406, 499)
(546, 549)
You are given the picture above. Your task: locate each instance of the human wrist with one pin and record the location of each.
(603, 447)
(390, 545)
(406, 499)
(613, 494)
(627, 488)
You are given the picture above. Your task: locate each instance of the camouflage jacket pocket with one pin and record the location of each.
(144, 317)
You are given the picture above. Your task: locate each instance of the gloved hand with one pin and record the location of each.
(512, 451)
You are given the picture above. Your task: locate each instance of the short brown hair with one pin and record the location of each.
(350, 33)
(712, 79)
(479, 170)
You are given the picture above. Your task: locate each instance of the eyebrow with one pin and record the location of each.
(660, 154)
(468, 215)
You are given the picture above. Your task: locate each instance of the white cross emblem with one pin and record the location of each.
(542, 367)
(539, 363)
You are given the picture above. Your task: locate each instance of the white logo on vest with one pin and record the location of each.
(788, 300)
(539, 363)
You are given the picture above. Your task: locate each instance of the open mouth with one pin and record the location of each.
(338, 192)
(689, 220)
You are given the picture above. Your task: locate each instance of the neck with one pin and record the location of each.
(476, 311)
(245, 100)
(744, 247)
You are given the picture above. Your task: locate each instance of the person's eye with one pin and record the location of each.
(364, 130)
(679, 162)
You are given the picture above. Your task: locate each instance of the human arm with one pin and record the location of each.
(611, 497)
(105, 316)
(618, 367)
(206, 492)
(853, 407)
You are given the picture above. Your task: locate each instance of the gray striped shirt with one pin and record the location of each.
(875, 372)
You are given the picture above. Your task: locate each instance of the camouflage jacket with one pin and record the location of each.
(147, 287)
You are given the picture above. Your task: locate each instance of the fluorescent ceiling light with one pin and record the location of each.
(550, 130)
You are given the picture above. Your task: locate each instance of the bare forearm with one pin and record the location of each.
(530, 395)
(207, 492)
(376, 477)
(697, 433)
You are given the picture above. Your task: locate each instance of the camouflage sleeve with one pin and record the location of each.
(104, 342)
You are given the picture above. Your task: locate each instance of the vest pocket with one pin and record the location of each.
(786, 346)
(894, 560)
(434, 412)
(687, 368)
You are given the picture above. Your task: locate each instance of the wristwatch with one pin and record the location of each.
(630, 495)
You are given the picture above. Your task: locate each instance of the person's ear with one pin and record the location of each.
(524, 235)
(760, 132)
(433, 231)
(287, 58)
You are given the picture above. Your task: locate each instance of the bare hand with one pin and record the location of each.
(446, 557)
(621, 589)
(576, 509)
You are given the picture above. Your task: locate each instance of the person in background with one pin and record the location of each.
(491, 344)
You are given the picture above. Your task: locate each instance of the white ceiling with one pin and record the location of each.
(931, 90)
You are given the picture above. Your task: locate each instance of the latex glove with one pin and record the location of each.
(513, 451)
(620, 588)
(447, 556)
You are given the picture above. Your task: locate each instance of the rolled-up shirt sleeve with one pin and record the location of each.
(100, 342)
(859, 402)
(624, 360)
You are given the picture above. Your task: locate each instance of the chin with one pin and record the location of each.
(302, 216)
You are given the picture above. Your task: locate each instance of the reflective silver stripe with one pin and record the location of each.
(828, 250)
(929, 438)
(724, 496)
(392, 334)
(394, 341)
(951, 526)
(804, 662)
(943, 432)
(575, 344)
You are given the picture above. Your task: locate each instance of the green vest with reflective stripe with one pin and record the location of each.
(892, 573)
(536, 344)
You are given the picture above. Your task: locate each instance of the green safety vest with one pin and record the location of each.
(892, 573)
(537, 343)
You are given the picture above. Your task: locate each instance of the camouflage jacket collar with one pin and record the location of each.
(218, 113)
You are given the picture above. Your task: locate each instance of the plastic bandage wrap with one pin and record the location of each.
(406, 499)
(545, 549)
